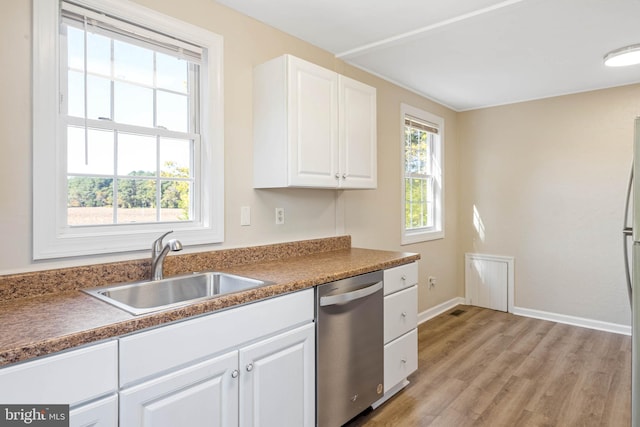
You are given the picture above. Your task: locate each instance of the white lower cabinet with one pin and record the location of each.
(101, 413)
(400, 328)
(249, 366)
(400, 359)
(277, 380)
(205, 394)
(85, 379)
(400, 313)
(269, 383)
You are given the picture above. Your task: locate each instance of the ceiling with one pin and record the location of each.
(467, 54)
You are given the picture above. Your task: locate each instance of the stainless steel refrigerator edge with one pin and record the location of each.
(633, 276)
(349, 347)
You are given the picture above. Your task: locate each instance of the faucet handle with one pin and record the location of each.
(156, 247)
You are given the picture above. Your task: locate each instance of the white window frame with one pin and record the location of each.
(52, 237)
(437, 230)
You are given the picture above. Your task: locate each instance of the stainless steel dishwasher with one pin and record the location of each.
(349, 347)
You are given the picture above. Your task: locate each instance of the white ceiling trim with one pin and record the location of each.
(500, 104)
(405, 87)
(419, 31)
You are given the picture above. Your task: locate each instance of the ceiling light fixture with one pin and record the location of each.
(628, 55)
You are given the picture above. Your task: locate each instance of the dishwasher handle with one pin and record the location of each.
(350, 296)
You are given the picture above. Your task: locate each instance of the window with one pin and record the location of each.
(422, 181)
(130, 112)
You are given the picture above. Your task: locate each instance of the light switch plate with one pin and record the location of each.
(245, 215)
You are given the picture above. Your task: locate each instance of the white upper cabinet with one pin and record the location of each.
(312, 127)
(312, 117)
(357, 126)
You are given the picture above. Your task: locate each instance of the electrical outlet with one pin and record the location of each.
(279, 216)
(432, 282)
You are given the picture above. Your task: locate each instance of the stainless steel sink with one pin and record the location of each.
(154, 295)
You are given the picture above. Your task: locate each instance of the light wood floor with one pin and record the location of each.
(488, 368)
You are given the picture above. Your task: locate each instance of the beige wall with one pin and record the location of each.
(372, 217)
(548, 180)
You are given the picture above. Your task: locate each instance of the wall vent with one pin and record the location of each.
(489, 281)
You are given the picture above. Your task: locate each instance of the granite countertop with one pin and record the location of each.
(37, 325)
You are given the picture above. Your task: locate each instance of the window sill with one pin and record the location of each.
(426, 236)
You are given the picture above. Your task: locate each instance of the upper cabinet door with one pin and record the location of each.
(358, 135)
(312, 127)
(313, 124)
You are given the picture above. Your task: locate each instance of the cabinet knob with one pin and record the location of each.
(403, 277)
(235, 373)
(404, 314)
(344, 176)
(404, 360)
(337, 175)
(250, 367)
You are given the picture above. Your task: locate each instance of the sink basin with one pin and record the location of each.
(154, 295)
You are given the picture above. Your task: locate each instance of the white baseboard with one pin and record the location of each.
(389, 394)
(536, 314)
(572, 320)
(439, 309)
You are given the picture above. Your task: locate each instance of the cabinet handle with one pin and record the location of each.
(249, 367)
(235, 373)
(404, 314)
(404, 360)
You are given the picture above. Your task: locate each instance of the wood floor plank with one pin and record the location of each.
(508, 405)
(618, 399)
(483, 389)
(488, 368)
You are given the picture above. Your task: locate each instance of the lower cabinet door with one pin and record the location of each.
(205, 394)
(278, 380)
(101, 413)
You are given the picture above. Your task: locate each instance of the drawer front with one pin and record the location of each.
(181, 343)
(400, 313)
(400, 359)
(401, 277)
(67, 378)
(102, 413)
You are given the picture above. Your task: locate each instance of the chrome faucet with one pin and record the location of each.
(158, 253)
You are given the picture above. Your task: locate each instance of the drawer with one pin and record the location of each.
(400, 359)
(66, 378)
(101, 413)
(182, 343)
(401, 277)
(400, 313)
